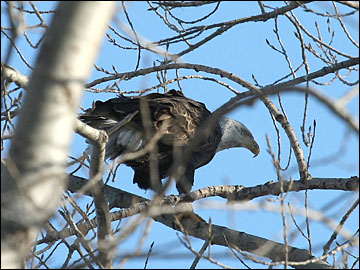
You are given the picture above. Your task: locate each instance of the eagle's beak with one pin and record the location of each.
(254, 148)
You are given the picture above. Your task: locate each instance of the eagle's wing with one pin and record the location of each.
(177, 116)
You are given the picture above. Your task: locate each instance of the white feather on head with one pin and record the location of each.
(236, 134)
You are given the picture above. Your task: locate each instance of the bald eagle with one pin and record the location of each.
(178, 118)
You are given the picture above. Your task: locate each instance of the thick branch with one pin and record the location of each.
(197, 227)
(241, 193)
(101, 206)
(13, 75)
(35, 170)
(141, 72)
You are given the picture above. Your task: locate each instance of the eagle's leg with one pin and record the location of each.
(142, 178)
(185, 179)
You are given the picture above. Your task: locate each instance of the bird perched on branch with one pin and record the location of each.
(161, 135)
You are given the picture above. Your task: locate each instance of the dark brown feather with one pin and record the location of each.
(178, 115)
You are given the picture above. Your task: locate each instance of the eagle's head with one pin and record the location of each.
(236, 134)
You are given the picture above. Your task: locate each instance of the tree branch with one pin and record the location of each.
(34, 175)
(196, 226)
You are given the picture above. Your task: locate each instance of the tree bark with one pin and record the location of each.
(34, 176)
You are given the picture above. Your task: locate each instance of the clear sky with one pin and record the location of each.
(243, 51)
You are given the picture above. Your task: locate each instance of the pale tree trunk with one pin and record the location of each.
(34, 175)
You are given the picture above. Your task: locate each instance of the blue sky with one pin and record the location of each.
(243, 51)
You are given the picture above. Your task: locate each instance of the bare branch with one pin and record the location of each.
(197, 227)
